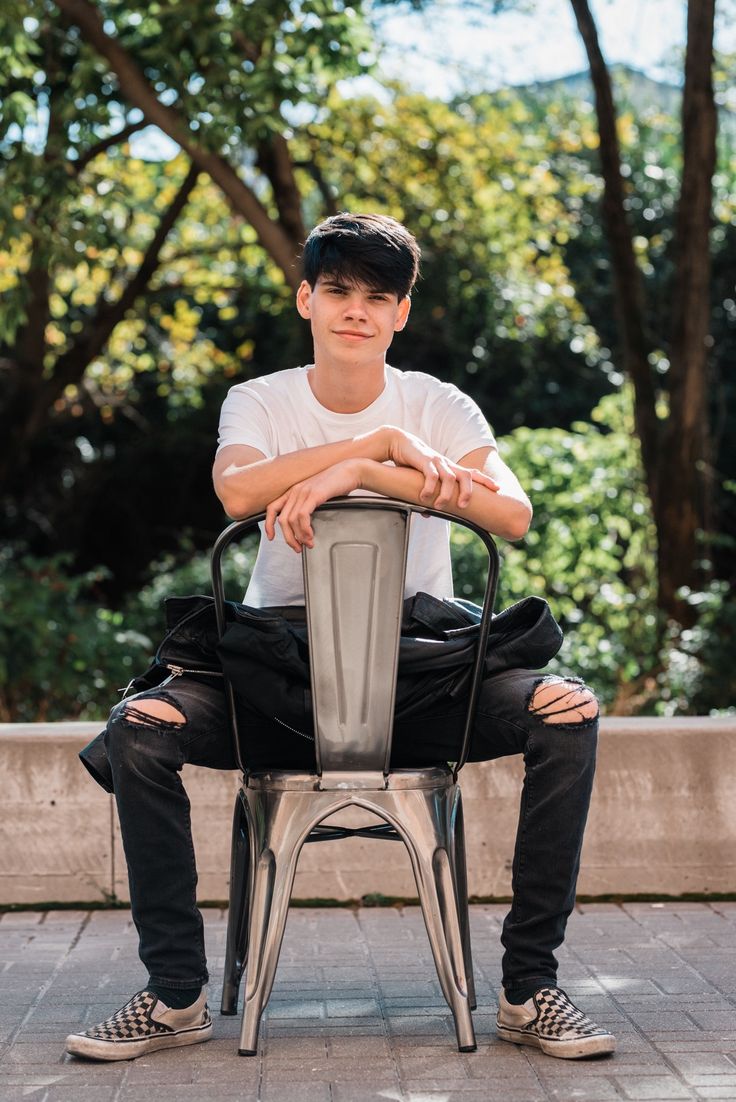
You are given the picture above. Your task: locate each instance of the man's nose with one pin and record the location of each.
(355, 305)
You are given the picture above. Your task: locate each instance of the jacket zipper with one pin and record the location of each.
(288, 728)
(177, 671)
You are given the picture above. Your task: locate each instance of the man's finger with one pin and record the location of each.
(465, 488)
(447, 487)
(430, 481)
(302, 524)
(288, 531)
(272, 512)
(484, 479)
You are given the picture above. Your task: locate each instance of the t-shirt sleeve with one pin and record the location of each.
(244, 420)
(457, 424)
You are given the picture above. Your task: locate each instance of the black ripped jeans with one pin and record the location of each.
(140, 758)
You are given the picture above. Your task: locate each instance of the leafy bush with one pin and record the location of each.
(590, 551)
(699, 676)
(61, 655)
(187, 572)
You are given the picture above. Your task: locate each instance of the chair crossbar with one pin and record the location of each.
(330, 833)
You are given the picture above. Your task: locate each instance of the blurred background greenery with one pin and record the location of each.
(578, 282)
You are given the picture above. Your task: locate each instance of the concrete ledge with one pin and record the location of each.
(663, 821)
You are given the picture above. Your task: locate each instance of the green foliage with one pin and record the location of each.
(61, 655)
(591, 547)
(496, 311)
(700, 674)
(515, 306)
(84, 210)
(590, 552)
(188, 572)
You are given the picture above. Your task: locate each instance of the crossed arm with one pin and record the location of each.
(290, 487)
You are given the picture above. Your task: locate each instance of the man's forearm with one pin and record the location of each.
(245, 491)
(496, 512)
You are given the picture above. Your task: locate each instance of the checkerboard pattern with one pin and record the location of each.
(132, 1022)
(559, 1019)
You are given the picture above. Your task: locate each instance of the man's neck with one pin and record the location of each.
(343, 389)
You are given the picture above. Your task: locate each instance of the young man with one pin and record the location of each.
(288, 442)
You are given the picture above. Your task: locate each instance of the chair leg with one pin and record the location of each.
(236, 944)
(429, 842)
(282, 822)
(457, 827)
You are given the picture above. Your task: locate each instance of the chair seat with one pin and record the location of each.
(291, 780)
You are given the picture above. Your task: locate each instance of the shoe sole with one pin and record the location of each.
(564, 1050)
(91, 1048)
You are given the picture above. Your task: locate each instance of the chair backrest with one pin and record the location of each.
(354, 588)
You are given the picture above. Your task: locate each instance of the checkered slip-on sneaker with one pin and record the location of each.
(550, 1021)
(144, 1024)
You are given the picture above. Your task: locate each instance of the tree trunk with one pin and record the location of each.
(627, 281)
(673, 450)
(21, 377)
(680, 511)
(274, 161)
(24, 418)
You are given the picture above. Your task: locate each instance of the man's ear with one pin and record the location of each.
(403, 314)
(303, 299)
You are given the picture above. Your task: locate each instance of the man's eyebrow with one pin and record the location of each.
(345, 285)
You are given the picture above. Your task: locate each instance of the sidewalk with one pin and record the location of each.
(356, 1013)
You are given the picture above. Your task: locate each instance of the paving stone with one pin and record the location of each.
(465, 1090)
(659, 1087)
(77, 1093)
(184, 1093)
(357, 1013)
(294, 1092)
(585, 1089)
(439, 1066)
(373, 1092)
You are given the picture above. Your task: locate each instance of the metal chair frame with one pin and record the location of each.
(277, 811)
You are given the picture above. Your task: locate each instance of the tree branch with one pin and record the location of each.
(138, 91)
(274, 160)
(251, 50)
(100, 147)
(325, 191)
(71, 365)
(31, 337)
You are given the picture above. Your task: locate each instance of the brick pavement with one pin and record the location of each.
(356, 1012)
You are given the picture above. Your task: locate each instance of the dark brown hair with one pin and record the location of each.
(371, 249)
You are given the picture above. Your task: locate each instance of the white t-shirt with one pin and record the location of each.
(279, 413)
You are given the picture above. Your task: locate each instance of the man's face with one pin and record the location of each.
(351, 322)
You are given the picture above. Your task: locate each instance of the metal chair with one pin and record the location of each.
(354, 587)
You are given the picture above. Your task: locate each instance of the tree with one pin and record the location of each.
(80, 80)
(494, 311)
(671, 411)
(674, 442)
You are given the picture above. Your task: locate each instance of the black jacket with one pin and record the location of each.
(266, 657)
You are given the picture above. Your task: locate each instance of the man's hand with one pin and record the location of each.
(441, 475)
(294, 509)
